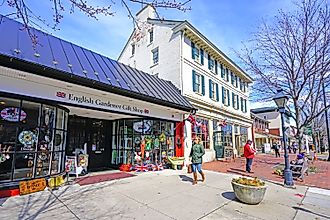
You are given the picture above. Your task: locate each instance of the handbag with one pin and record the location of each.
(189, 168)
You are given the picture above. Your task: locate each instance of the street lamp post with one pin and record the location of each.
(281, 99)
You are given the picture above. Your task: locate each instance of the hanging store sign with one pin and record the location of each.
(13, 114)
(31, 186)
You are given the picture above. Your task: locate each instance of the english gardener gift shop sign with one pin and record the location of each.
(103, 103)
(27, 84)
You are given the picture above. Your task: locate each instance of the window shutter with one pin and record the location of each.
(223, 95)
(237, 102)
(222, 71)
(209, 61)
(202, 56)
(232, 78)
(233, 98)
(227, 73)
(216, 66)
(228, 98)
(194, 80)
(203, 85)
(210, 88)
(192, 50)
(245, 108)
(217, 91)
(242, 107)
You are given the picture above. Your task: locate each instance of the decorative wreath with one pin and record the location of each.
(27, 137)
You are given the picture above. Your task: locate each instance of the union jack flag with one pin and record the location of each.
(141, 168)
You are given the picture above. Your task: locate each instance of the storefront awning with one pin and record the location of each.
(58, 59)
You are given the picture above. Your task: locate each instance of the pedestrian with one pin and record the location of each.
(277, 150)
(294, 147)
(249, 153)
(196, 154)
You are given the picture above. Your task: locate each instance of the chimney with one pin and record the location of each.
(147, 12)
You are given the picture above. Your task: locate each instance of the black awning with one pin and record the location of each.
(59, 59)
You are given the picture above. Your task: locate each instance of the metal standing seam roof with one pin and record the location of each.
(71, 63)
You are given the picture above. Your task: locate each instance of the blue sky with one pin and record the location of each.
(227, 23)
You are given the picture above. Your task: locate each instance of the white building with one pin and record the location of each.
(212, 82)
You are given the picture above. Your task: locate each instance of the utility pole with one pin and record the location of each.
(326, 119)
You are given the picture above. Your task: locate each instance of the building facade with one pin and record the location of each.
(213, 83)
(58, 99)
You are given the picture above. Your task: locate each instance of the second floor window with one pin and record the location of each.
(225, 97)
(198, 83)
(214, 90)
(155, 56)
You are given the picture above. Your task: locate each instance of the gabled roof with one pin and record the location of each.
(59, 59)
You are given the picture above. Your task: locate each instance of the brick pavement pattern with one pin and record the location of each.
(264, 165)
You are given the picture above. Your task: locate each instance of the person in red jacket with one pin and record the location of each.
(249, 152)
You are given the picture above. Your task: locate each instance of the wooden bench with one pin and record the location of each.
(299, 170)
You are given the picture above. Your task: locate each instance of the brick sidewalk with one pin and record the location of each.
(264, 165)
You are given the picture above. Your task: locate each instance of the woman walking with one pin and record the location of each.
(196, 153)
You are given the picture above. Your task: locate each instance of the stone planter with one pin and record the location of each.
(249, 194)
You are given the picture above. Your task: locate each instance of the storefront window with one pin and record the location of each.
(201, 129)
(136, 141)
(227, 135)
(27, 138)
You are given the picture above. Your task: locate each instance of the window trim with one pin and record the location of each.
(153, 52)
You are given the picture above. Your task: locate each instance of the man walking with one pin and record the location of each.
(277, 150)
(249, 155)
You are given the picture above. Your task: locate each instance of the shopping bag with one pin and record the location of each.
(189, 168)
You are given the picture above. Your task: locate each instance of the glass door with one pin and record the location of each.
(218, 144)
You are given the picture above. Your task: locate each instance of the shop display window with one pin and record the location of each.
(227, 135)
(137, 141)
(201, 130)
(27, 137)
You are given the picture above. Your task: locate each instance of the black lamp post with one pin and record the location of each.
(281, 99)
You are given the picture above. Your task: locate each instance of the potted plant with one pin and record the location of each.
(248, 190)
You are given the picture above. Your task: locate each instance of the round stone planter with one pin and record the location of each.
(249, 194)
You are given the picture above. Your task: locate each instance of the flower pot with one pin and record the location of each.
(249, 194)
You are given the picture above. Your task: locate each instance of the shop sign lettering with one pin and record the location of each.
(31, 186)
(101, 103)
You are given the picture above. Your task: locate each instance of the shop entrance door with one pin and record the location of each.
(218, 144)
(92, 135)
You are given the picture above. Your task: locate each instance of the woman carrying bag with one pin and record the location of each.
(196, 154)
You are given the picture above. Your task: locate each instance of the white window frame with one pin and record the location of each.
(225, 95)
(213, 88)
(151, 36)
(212, 64)
(198, 83)
(197, 54)
(153, 52)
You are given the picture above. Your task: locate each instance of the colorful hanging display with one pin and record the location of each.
(12, 114)
(27, 137)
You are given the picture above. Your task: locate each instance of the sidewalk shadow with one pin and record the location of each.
(311, 212)
(240, 170)
(229, 195)
(185, 178)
